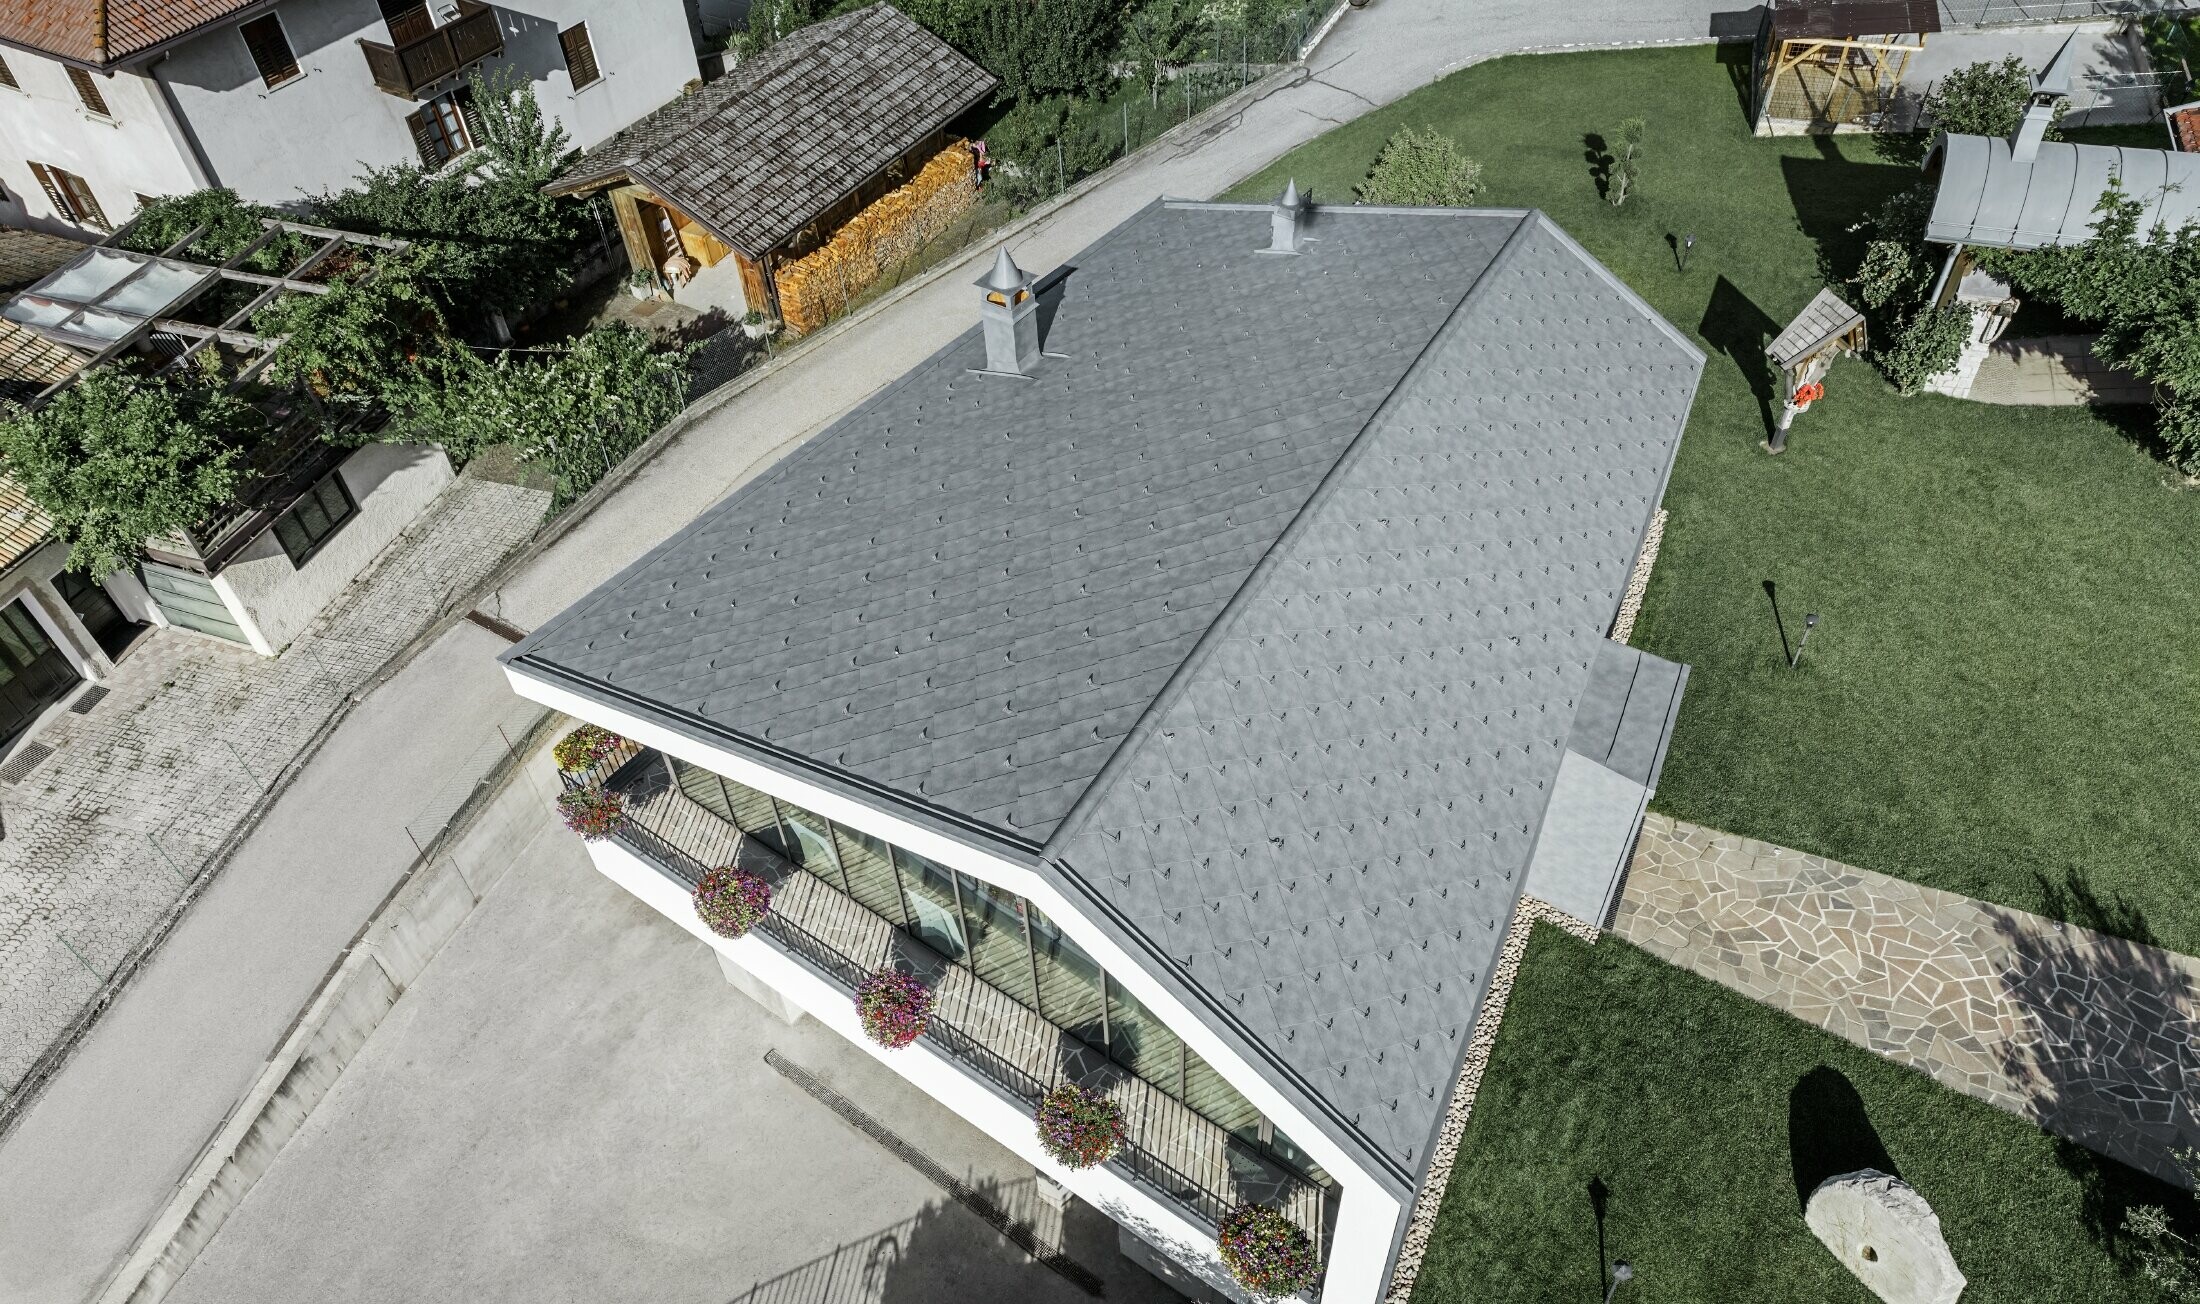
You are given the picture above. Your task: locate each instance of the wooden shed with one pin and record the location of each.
(767, 163)
(1835, 65)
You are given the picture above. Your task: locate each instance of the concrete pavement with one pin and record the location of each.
(96, 1156)
(571, 1104)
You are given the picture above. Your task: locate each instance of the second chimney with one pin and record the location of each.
(1283, 220)
(1010, 315)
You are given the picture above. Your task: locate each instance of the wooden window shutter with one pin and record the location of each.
(81, 197)
(469, 118)
(425, 138)
(580, 56)
(52, 188)
(270, 49)
(7, 76)
(87, 90)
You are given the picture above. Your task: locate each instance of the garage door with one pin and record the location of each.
(190, 601)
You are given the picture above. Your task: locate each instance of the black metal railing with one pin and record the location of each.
(686, 839)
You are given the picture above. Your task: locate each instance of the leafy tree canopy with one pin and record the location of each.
(349, 347)
(1036, 47)
(1422, 169)
(119, 458)
(1985, 99)
(230, 222)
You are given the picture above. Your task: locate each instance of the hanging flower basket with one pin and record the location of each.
(593, 815)
(578, 751)
(732, 901)
(1079, 1128)
(1268, 1253)
(894, 1007)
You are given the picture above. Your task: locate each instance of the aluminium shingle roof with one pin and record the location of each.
(1262, 614)
(758, 154)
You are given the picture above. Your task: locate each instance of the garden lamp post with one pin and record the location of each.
(1622, 1271)
(1810, 622)
(1688, 246)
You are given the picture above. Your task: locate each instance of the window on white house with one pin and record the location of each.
(71, 196)
(443, 128)
(580, 56)
(314, 519)
(269, 47)
(87, 90)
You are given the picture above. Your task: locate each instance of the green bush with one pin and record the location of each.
(230, 222)
(1927, 345)
(1985, 99)
(1421, 169)
(349, 347)
(1036, 47)
(1898, 270)
(119, 458)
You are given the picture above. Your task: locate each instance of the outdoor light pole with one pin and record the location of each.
(1688, 246)
(1622, 1270)
(1810, 622)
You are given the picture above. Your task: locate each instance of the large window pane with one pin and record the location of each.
(1141, 1043)
(704, 788)
(1216, 1100)
(1069, 981)
(998, 951)
(811, 844)
(931, 894)
(756, 814)
(870, 868)
(1297, 1160)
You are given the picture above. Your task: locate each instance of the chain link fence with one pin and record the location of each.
(1988, 13)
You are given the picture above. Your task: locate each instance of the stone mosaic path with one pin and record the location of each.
(104, 837)
(2093, 1037)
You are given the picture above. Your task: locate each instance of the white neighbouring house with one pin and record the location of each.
(1183, 672)
(105, 103)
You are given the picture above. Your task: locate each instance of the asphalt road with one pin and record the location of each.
(98, 1154)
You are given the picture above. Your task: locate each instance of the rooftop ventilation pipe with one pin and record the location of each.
(1283, 220)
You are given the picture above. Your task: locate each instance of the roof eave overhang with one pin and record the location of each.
(953, 824)
(146, 54)
(627, 176)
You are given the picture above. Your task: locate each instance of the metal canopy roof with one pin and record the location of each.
(1987, 198)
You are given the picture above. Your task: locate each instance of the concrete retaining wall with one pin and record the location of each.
(420, 914)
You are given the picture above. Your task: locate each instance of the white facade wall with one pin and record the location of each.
(318, 131)
(1368, 1214)
(135, 151)
(273, 600)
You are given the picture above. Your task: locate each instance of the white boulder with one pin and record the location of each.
(1883, 1231)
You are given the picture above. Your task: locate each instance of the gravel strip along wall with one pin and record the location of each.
(1470, 1073)
(1638, 583)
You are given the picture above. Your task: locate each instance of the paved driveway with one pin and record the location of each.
(571, 1104)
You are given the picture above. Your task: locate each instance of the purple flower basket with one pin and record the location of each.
(1079, 1128)
(1268, 1253)
(593, 815)
(580, 750)
(732, 901)
(894, 1007)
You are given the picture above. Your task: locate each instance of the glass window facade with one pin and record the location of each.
(1004, 939)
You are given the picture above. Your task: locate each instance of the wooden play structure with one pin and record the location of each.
(1826, 328)
(1835, 65)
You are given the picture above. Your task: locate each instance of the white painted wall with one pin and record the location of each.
(317, 132)
(273, 600)
(133, 152)
(1368, 1214)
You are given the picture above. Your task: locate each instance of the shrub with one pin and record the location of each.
(1926, 346)
(1898, 270)
(1079, 1128)
(1267, 1252)
(895, 1008)
(1626, 164)
(1420, 169)
(350, 346)
(1985, 99)
(592, 814)
(230, 224)
(731, 901)
(582, 748)
(119, 458)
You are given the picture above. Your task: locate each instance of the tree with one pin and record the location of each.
(1985, 99)
(521, 145)
(1158, 39)
(230, 224)
(577, 412)
(1898, 271)
(1036, 47)
(1626, 166)
(1421, 169)
(352, 347)
(119, 458)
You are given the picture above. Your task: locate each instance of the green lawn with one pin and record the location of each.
(2004, 697)
(1700, 1113)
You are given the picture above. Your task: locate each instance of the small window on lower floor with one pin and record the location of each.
(314, 518)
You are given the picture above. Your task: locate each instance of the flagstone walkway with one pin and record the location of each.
(2092, 1036)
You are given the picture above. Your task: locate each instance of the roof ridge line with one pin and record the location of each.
(1179, 681)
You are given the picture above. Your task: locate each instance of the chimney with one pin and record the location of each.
(2052, 87)
(1010, 316)
(1283, 220)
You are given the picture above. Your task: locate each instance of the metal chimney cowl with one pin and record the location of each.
(1010, 314)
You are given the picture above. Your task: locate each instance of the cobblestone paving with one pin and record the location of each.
(2089, 1035)
(104, 835)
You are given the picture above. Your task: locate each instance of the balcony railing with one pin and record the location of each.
(1170, 1149)
(421, 54)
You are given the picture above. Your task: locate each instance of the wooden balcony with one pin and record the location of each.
(422, 55)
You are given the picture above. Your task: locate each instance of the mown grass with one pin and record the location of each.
(2004, 697)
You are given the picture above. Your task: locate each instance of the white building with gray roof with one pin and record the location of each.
(1183, 673)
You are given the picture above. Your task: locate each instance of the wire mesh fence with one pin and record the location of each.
(1988, 13)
